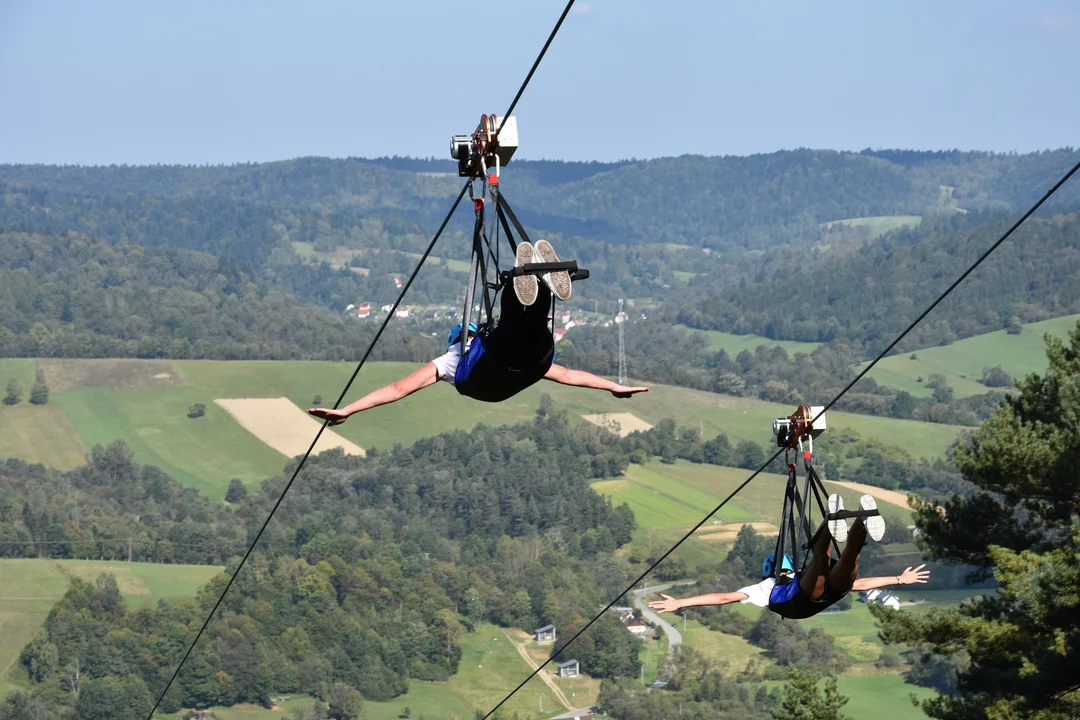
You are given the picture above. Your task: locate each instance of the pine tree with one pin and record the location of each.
(804, 700)
(39, 393)
(14, 393)
(1021, 526)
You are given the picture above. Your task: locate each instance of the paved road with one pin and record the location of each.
(662, 621)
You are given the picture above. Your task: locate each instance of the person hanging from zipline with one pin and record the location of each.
(497, 364)
(822, 582)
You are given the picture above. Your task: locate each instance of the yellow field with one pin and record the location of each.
(283, 426)
(622, 424)
(40, 434)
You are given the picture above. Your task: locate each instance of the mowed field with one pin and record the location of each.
(145, 404)
(962, 363)
(668, 500)
(735, 344)
(880, 224)
(30, 587)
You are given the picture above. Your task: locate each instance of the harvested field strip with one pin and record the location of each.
(890, 496)
(622, 424)
(284, 426)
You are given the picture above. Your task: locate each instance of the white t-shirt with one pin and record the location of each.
(446, 365)
(759, 594)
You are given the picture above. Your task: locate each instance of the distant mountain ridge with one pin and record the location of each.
(726, 202)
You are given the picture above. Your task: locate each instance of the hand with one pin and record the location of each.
(335, 417)
(622, 391)
(668, 604)
(913, 576)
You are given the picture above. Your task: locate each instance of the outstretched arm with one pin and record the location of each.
(579, 378)
(908, 577)
(393, 392)
(670, 604)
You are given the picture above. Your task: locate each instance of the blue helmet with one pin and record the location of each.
(455, 334)
(767, 566)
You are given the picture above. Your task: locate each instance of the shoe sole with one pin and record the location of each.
(559, 282)
(837, 528)
(525, 286)
(875, 524)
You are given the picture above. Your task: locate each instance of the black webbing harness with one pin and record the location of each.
(484, 267)
(796, 523)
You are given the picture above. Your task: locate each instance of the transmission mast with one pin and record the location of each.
(622, 346)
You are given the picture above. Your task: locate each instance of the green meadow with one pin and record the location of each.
(880, 224)
(962, 363)
(735, 344)
(668, 500)
(145, 403)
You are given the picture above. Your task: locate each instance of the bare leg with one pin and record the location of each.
(846, 571)
(812, 580)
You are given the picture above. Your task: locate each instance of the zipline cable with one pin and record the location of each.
(992, 248)
(363, 359)
(307, 454)
(776, 454)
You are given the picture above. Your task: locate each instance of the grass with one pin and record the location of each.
(207, 452)
(718, 646)
(882, 696)
(667, 500)
(21, 370)
(962, 363)
(880, 224)
(40, 434)
(651, 655)
(30, 587)
(490, 667)
(760, 500)
(735, 344)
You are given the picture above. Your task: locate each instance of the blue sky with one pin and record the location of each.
(137, 81)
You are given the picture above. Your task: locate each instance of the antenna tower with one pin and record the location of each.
(622, 347)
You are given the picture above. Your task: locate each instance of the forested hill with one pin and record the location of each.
(260, 260)
(868, 293)
(370, 575)
(720, 202)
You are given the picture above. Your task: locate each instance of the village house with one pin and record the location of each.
(363, 310)
(881, 597)
(545, 634)
(638, 626)
(402, 312)
(568, 670)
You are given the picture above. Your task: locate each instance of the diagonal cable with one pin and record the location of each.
(1064, 179)
(776, 454)
(536, 64)
(311, 447)
(363, 359)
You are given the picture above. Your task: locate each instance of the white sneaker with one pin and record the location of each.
(837, 528)
(875, 524)
(559, 282)
(525, 286)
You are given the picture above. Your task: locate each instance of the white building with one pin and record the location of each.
(882, 597)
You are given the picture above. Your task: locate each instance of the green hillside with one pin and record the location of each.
(878, 225)
(734, 344)
(31, 587)
(668, 500)
(146, 405)
(962, 363)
